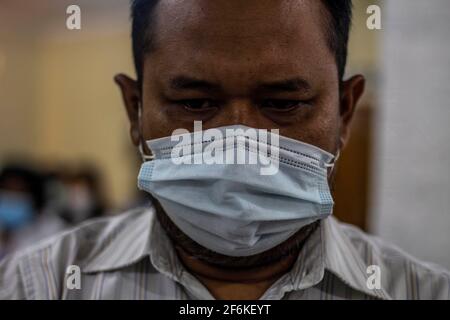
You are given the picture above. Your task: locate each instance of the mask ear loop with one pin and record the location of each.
(145, 157)
(330, 166)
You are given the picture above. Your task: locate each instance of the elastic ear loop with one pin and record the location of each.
(330, 166)
(144, 156)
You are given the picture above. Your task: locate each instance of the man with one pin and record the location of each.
(225, 231)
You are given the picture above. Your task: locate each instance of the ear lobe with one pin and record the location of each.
(352, 90)
(131, 99)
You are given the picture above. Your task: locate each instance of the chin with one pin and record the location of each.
(181, 241)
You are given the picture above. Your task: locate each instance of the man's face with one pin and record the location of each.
(265, 64)
(260, 63)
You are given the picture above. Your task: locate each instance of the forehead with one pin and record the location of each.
(253, 36)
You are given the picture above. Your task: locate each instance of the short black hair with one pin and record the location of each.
(31, 178)
(338, 31)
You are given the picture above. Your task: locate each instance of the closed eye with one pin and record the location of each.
(198, 104)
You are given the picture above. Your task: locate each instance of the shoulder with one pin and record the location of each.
(402, 275)
(44, 264)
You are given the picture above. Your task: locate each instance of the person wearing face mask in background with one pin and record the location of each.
(21, 201)
(76, 195)
(35, 205)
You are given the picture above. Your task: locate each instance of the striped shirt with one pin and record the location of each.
(130, 257)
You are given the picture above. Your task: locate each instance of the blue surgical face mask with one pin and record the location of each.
(238, 209)
(16, 210)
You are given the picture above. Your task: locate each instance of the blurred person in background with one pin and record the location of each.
(22, 201)
(77, 195)
(35, 204)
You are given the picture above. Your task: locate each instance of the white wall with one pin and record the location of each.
(412, 201)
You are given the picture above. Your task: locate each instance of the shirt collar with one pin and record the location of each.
(307, 271)
(328, 249)
(131, 240)
(343, 260)
(126, 240)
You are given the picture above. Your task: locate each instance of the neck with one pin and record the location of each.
(236, 284)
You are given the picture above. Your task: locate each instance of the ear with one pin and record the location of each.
(351, 92)
(131, 99)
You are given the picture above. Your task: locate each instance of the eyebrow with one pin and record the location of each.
(189, 83)
(288, 85)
